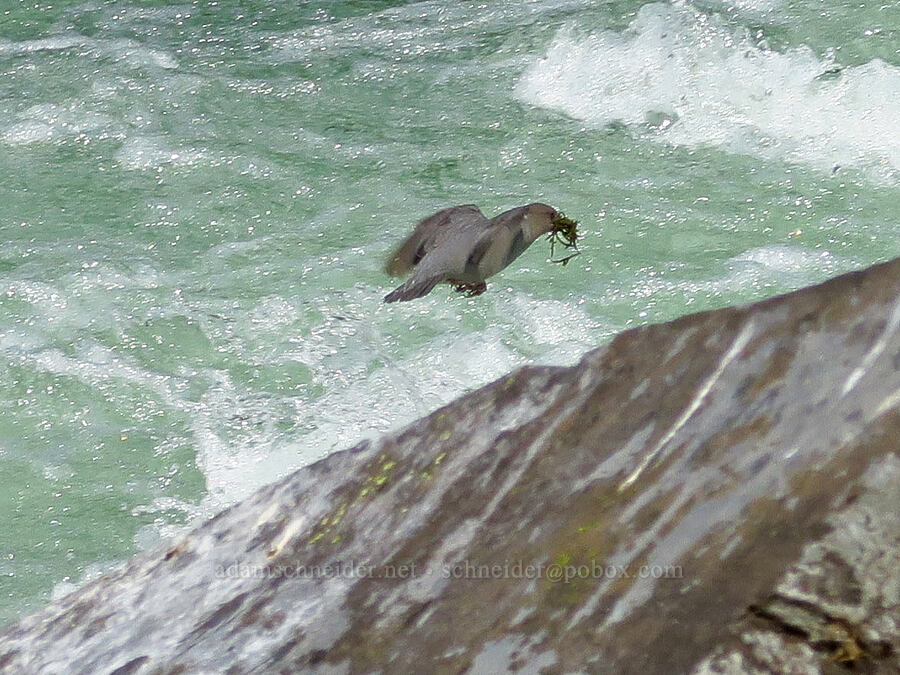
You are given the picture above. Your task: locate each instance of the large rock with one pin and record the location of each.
(715, 494)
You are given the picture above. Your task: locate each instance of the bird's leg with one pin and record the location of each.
(471, 290)
(476, 289)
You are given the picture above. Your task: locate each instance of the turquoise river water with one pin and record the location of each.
(197, 199)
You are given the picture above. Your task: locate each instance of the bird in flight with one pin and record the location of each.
(461, 246)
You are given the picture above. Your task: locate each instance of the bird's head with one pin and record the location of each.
(544, 219)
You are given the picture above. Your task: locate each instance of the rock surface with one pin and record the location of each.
(716, 494)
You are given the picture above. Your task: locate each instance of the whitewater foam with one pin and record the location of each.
(105, 109)
(683, 77)
(54, 122)
(131, 52)
(762, 270)
(146, 152)
(49, 44)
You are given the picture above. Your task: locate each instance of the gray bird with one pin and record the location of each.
(459, 245)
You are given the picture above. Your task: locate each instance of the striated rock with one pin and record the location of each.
(718, 494)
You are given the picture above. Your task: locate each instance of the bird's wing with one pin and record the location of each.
(430, 232)
(500, 244)
(494, 249)
(444, 252)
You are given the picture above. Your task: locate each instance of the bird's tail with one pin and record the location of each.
(412, 289)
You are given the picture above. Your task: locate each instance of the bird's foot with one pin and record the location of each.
(471, 290)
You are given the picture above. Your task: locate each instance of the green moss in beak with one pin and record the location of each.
(565, 231)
